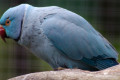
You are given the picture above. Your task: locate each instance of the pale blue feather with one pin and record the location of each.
(76, 38)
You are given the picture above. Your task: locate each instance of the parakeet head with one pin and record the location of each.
(11, 22)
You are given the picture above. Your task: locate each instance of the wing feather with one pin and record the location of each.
(77, 40)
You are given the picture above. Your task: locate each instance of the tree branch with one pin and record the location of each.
(112, 73)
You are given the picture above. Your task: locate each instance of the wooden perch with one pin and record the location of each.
(112, 73)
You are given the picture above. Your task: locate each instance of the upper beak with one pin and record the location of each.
(2, 33)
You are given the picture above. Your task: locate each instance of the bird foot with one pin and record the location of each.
(59, 68)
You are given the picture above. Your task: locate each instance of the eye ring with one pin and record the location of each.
(7, 23)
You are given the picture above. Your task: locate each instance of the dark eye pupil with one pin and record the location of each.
(8, 22)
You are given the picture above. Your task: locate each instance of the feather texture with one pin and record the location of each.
(63, 38)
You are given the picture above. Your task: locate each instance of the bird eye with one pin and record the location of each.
(7, 23)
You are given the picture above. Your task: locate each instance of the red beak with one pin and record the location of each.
(2, 33)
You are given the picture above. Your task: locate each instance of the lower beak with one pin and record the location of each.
(2, 33)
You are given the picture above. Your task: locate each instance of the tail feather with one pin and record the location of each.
(105, 63)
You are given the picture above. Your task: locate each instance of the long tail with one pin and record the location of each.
(105, 63)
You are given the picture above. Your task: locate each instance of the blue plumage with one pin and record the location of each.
(79, 41)
(60, 37)
(11, 14)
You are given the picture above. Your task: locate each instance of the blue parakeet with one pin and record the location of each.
(58, 36)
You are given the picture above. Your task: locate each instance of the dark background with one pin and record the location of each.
(104, 15)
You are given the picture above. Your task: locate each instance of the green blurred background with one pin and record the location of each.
(104, 15)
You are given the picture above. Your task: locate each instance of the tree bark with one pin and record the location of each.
(112, 73)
